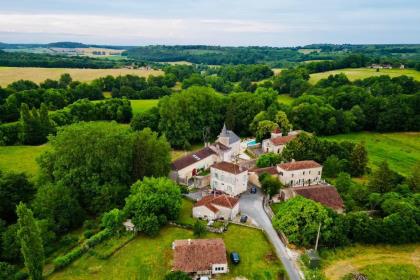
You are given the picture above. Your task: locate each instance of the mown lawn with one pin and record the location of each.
(143, 105)
(20, 158)
(285, 98)
(362, 73)
(185, 215)
(380, 262)
(400, 150)
(150, 258)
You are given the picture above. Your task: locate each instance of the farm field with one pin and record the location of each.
(21, 158)
(376, 261)
(361, 73)
(150, 258)
(143, 105)
(11, 74)
(285, 98)
(401, 150)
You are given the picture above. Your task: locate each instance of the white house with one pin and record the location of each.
(200, 257)
(229, 178)
(299, 173)
(185, 169)
(277, 142)
(229, 139)
(214, 207)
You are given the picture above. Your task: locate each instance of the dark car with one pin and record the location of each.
(253, 190)
(234, 257)
(244, 218)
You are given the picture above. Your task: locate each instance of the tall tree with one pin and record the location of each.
(264, 129)
(31, 242)
(283, 122)
(358, 160)
(382, 179)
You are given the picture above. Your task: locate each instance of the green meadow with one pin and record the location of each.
(21, 158)
(401, 150)
(143, 105)
(362, 73)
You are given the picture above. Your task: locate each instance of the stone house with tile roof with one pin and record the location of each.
(277, 142)
(214, 207)
(229, 178)
(200, 257)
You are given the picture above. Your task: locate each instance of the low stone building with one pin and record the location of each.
(322, 193)
(277, 142)
(229, 178)
(214, 207)
(200, 257)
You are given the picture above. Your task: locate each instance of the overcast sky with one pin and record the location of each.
(210, 22)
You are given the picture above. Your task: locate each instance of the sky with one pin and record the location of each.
(211, 22)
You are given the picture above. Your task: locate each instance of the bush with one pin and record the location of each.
(9, 133)
(88, 233)
(63, 261)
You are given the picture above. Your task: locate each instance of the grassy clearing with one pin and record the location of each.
(11, 74)
(285, 98)
(401, 150)
(150, 258)
(361, 73)
(378, 261)
(143, 105)
(20, 158)
(277, 71)
(185, 215)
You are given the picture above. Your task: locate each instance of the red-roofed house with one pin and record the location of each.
(277, 142)
(200, 257)
(299, 173)
(213, 207)
(229, 178)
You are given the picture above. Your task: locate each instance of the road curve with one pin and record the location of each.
(252, 205)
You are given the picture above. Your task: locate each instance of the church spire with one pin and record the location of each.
(224, 131)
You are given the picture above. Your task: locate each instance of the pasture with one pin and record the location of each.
(37, 75)
(401, 150)
(143, 105)
(362, 73)
(20, 158)
(285, 99)
(376, 261)
(150, 257)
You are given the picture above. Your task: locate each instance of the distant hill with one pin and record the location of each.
(68, 45)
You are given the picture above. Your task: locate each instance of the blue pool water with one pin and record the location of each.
(251, 143)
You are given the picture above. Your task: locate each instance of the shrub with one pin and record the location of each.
(9, 133)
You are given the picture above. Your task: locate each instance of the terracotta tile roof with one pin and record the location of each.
(221, 146)
(192, 158)
(198, 254)
(297, 165)
(211, 201)
(270, 170)
(282, 140)
(228, 167)
(325, 195)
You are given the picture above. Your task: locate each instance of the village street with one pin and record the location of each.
(252, 205)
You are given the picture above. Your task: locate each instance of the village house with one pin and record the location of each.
(214, 207)
(277, 142)
(187, 169)
(299, 173)
(291, 174)
(322, 193)
(200, 257)
(229, 178)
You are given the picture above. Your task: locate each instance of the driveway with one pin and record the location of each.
(252, 205)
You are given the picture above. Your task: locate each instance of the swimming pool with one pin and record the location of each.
(251, 143)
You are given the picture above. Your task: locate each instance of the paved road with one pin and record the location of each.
(252, 205)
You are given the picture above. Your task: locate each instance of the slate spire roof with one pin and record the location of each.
(229, 134)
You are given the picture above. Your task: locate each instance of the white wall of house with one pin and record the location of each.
(219, 268)
(204, 213)
(227, 213)
(232, 184)
(186, 173)
(301, 177)
(269, 147)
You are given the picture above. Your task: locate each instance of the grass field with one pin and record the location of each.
(11, 74)
(185, 215)
(401, 150)
(361, 73)
(285, 98)
(150, 258)
(143, 105)
(378, 262)
(20, 158)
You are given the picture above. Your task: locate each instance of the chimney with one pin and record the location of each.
(293, 160)
(189, 241)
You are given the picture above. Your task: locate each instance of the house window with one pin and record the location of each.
(309, 171)
(281, 173)
(216, 175)
(303, 172)
(319, 172)
(293, 175)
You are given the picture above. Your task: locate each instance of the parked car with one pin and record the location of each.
(244, 218)
(234, 257)
(253, 190)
